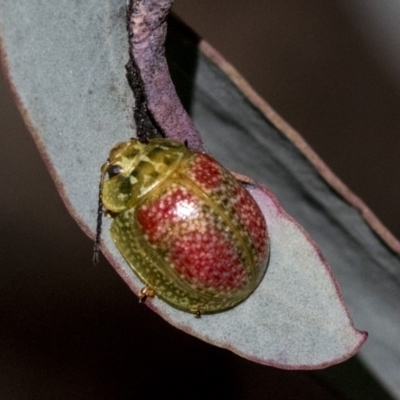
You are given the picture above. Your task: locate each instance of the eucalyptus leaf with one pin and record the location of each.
(66, 64)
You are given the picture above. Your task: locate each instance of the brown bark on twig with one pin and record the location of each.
(147, 32)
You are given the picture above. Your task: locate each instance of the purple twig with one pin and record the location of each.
(147, 31)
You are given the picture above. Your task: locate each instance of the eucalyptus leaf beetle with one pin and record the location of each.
(186, 226)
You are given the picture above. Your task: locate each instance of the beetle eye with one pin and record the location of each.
(113, 170)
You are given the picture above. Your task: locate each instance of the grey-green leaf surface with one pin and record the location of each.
(66, 64)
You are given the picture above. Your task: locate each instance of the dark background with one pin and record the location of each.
(69, 330)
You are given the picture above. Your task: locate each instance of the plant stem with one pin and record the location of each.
(147, 31)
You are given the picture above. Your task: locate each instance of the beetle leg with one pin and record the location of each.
(144, 293)
(108, 214)
(197, 314)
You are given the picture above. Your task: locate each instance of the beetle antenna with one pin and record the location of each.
(96, 247)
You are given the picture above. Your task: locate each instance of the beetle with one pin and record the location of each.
(185, 225)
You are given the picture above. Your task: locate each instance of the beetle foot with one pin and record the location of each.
(197, 314)
(144, 293)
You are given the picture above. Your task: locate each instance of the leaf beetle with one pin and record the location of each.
(186, 226)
